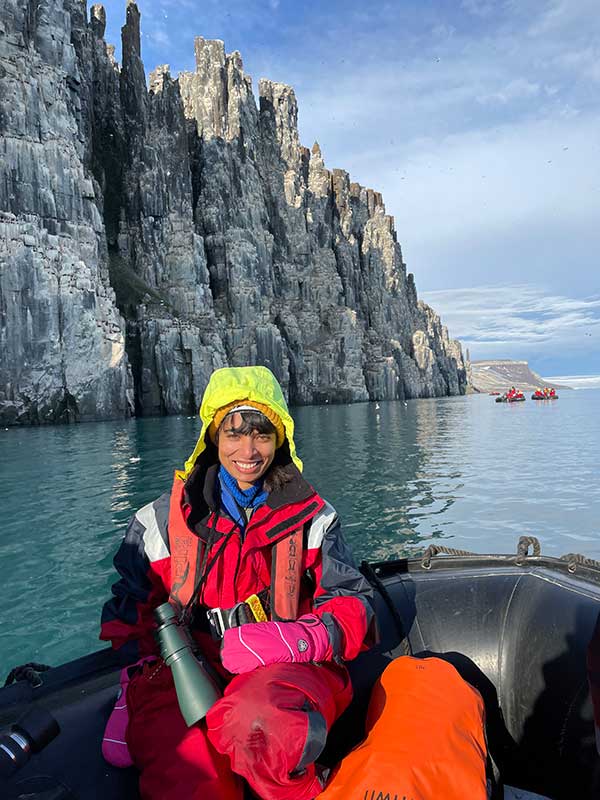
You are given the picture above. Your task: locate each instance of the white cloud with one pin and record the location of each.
(562, 17)
(159, 36)
(517, 88)
(521, 321)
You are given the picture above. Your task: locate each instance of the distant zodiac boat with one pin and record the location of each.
(519, 398)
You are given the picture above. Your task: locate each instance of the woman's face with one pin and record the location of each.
(245, 456)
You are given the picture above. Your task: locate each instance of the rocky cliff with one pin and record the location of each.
(149, 234)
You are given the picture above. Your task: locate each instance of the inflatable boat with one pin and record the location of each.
(515, 626)
(505, 399)
(544, 396)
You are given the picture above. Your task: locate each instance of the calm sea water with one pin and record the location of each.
(465, 472)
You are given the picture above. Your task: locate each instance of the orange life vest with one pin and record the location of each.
(186, 547)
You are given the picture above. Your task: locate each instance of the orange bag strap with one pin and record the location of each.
(185, 549)
(286, 569)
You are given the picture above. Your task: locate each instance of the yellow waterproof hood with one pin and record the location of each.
(242, 383)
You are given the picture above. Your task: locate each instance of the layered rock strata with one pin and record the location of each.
(151, 234)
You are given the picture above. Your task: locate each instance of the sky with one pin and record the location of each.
(478, 120)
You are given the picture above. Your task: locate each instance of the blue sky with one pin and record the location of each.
(478, 120)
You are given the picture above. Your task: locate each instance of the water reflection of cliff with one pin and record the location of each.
(441, 436)
(144, 455)
(388, 468)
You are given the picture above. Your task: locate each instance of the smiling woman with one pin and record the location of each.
(254, 562)
(247, 442)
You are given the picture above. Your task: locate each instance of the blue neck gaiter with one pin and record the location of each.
(235, 499)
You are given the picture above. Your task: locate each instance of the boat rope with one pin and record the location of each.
(523, 553)
(376, 582)
(27, 672)
(436, 549)
(573, 559)
(525, 542)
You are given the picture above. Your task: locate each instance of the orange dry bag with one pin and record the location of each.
(425, 738)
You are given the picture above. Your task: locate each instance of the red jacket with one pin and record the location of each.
(332, 587)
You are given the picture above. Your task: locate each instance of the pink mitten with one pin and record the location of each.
(258, 644)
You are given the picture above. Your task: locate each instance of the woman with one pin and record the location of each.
(254, 560)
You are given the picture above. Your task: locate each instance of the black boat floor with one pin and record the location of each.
(510, 793)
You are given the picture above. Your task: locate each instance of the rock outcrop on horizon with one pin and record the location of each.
(498, 375)
(149, 235)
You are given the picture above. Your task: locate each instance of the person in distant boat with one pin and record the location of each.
(254, 561)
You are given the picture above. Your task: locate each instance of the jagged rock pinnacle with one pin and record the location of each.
(98, 20)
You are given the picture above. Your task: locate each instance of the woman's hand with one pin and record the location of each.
(258, 644)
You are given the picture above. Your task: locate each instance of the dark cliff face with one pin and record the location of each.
(151, 235)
